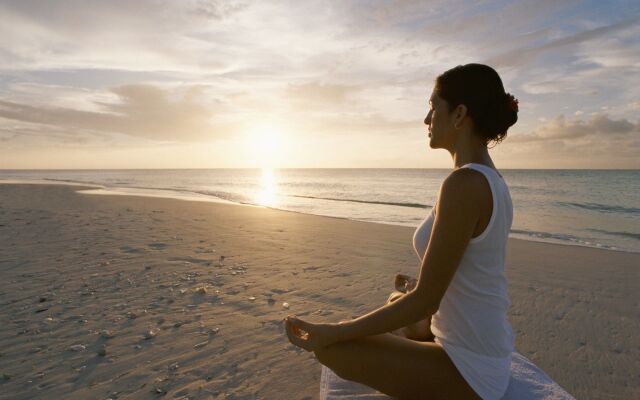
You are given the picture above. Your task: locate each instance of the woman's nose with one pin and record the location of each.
(427, 119)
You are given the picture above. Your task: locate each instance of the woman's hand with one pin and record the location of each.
(310, 336)
(405, 283)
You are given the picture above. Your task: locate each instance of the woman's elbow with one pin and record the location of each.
(426, 303)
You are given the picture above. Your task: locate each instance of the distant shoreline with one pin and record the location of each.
(97, 189)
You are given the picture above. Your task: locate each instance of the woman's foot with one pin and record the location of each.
(420, 330)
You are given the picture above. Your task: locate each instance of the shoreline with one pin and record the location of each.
(142, 279)
(98, 189)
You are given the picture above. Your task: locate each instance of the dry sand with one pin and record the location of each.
(125, 297)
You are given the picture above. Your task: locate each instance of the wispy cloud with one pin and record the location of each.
(520, 56)
(141, 110)
(598, 128)
(595, 142)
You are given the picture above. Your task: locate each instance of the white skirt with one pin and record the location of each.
(487, 376)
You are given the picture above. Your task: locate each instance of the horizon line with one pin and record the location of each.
(286, 168)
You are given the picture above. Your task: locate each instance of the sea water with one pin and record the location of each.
(595, 208)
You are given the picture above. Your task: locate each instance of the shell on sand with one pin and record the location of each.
(150, 334)
(201, 344)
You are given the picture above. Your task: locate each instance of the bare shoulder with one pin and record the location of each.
(465, 183)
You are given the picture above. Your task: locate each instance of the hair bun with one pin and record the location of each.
(513, 102)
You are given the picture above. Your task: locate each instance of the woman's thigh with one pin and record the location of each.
(398, 367)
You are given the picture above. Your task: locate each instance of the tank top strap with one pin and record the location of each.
(492, 177)
(483, 168)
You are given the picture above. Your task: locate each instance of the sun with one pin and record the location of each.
(266, 145)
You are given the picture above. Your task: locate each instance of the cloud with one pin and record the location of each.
(141, 111)
(599, 128)
(521, 56)
(596, 142)
(372, 125)
(216, 9)
(139, 35)
(315, 94)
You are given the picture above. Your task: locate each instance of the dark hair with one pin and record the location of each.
(480, 88)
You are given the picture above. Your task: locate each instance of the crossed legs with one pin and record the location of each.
(397, 366)
(405, 364)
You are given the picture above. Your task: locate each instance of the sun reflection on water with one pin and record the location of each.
(268, 193)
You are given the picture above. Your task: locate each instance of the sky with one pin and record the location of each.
(308, 84)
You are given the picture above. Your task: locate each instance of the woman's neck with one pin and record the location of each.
(469, 148)
(472, 155)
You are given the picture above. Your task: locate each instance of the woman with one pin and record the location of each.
(461, 286)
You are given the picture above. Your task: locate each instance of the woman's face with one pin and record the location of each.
(438, 121)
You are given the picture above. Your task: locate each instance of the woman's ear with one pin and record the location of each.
(460, 113)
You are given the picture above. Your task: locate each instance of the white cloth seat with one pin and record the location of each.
(527, 382)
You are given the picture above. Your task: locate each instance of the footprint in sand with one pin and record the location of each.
(280, 291)
(128, 249)
(191, 260)
(157, 246)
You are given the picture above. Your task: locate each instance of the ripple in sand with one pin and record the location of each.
(280, 291)
(77, 347)
(190, 260)
(201, 344)
(106, 334)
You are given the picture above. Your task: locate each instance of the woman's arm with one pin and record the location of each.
(405, 311)
(457, 214)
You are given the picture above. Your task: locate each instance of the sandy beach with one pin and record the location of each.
(129, 297)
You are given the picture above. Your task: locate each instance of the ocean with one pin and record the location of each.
(594, 208)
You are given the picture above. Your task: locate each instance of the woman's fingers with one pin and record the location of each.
(295, 336)
(292, 334)
(405, 283)
(400, 281)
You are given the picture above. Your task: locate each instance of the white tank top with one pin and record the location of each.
(473, 310)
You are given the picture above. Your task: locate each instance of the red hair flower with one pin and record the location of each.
(513, 102)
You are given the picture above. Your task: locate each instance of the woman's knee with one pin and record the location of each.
(327, 354)
(330, 357)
